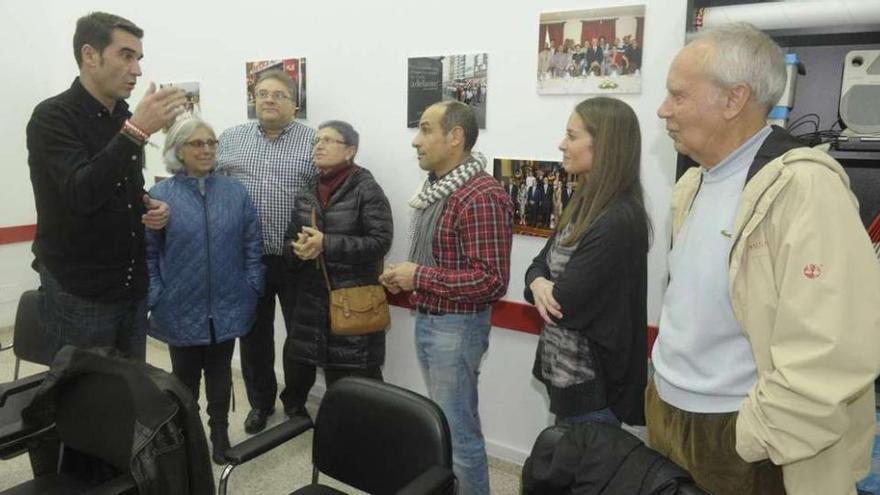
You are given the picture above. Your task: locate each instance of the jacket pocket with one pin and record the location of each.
(161, 466)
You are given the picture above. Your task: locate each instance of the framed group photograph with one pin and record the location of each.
(591, 51)
(539, 189)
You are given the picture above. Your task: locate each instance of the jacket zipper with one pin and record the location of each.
(208, 254)
(748, 219)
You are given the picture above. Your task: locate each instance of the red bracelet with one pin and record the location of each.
(135, 132)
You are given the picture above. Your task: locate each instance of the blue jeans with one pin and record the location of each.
(450, 348)
(71, 319)
(605, 416)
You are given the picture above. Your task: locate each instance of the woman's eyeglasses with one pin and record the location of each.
(326, 141)
(202, 143)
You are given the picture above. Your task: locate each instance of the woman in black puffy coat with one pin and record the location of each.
(353, 230)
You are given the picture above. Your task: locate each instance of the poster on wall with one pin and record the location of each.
(591, 51)
(540, 191)
(450, 77)
(295, 68)
(192, 107)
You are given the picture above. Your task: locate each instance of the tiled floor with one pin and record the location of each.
(279, 471)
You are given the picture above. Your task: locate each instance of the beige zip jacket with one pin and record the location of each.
(805, 288)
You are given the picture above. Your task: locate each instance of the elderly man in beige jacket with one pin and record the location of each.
(770, 330)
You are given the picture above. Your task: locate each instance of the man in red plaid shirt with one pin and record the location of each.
(459, 264)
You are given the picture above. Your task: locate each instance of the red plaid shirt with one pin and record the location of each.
(471, 246)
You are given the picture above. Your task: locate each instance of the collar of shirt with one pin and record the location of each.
(92, 107)
(262, 133)
(740, 158)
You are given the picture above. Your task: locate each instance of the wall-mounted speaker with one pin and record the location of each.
(860, 92)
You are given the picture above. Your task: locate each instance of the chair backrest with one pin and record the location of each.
(544, 447)
(377, 437)
(29, 335)
(95, 415)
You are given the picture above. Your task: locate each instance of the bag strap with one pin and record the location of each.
(320, 261)
(324, 271)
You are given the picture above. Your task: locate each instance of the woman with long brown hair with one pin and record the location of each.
(589, 283)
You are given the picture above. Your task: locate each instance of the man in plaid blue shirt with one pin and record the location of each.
(272, 157)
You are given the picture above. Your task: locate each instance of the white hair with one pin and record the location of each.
(179, 134)
(743, 54)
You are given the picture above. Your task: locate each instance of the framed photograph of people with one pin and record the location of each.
(193, 105)
(540, 191)
(449, 77)
(193, 101)
(295, 67)
(591, 51)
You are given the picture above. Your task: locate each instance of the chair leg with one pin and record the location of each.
(224, 479)
(314, 475)
(232, 391)
(17, 368)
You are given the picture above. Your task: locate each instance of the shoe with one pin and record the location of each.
(256, 420)
(219, 445)
(300, 411)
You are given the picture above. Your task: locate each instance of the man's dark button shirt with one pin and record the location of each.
(88, 188)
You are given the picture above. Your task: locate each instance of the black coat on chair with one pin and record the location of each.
(129, 416)
(598, 459)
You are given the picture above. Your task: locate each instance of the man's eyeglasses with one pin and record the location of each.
(201, 143)
(275, 95)
(326, 141)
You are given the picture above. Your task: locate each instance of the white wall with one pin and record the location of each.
(357, 53)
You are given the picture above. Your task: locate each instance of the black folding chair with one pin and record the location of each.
(376, 437)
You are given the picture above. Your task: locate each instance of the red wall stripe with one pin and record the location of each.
(19, 233)
(511, 315)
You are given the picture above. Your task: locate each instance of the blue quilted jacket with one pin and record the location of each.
(206, 264)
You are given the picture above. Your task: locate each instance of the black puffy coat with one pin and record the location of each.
(358, 230)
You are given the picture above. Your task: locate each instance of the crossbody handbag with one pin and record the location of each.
(357, 310)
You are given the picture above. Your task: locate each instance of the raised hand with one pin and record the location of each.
(158, 109)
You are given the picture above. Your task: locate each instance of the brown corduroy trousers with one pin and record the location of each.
(705, 445)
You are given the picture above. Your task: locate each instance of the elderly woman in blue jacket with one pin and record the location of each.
(205, 270)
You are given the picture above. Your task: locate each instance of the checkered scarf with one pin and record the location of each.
(428, 203)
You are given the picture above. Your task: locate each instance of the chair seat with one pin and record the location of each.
(316, 490)
(56, 484)
(14, 397)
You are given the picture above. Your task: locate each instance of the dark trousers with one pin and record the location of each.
(303, 378)
(705, 445)
(69, 319)
(258, 346)
(187, 364)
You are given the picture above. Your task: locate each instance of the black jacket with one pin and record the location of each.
(598, 459)
(603, 294)
(88, 188)
(358, 230)
(169, 453)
